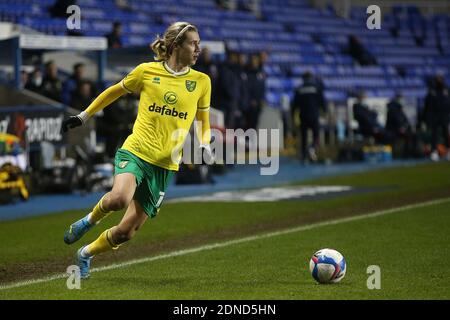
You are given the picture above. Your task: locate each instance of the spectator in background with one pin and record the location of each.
(359, 52)
(308, 101)
(206, 65)
(228, 88)
(417, 25)
(117, 122)
(437, 113)
(367, 120)
(35, 80)
(24, 78)
(396, 121)
(244, 101)
(51, 86)
(398, 126)
(82, 96)
(73, 82)
(59, 8)
(256, 90)
(115, 36)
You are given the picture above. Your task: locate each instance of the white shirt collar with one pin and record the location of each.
(180, 73)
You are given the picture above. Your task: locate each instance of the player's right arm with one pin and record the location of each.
(102, 101)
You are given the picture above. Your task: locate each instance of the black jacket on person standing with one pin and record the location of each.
(396, 121)
(309, 100)
(437, 106)
(366, 118)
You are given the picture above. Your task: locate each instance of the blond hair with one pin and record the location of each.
(175, 33)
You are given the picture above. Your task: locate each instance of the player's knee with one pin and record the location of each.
(117, 201)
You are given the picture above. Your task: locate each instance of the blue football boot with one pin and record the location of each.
(84, 263)
(77, 230)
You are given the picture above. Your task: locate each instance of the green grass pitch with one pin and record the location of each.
(409, 246)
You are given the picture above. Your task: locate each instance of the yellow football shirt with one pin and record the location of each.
(168, 102)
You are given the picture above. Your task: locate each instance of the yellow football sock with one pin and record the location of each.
(103, 243)
(98, 213)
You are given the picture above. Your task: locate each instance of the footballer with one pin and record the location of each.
(172, 95)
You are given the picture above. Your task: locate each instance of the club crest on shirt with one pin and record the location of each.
(190, 85)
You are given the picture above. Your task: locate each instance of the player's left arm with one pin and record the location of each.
(203, 130)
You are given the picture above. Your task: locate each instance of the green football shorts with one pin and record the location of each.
(151, 180)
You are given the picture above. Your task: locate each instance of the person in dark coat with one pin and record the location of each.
(206, 64)
(51, 86)
(309, 100)
(256, 90)
(437, 113)
(359, 52)
(35, 80)
(243, 103)
(228, 88)
(82, 97)
(398, 126)
(72, 84)
(396, 121)
(115, 36)
(367, 120)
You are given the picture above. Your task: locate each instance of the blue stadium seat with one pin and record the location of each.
(297, 37)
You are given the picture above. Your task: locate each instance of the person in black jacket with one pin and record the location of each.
(82, 97)
(51, 86)
(359, 52)
(241, 73)
(229, 88)
(398, 126)
(73, 83)
(206, 64)
(309, 100)
(396, 121)
(115, 36)
(256, 90)
(368, 124)
(35, 80)
(437, 113)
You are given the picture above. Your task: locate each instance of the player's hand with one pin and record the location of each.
(71, 122)
(208, 156)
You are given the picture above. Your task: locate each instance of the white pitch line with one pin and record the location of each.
(233, 242)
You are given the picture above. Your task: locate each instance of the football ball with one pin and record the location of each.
(327, 266)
